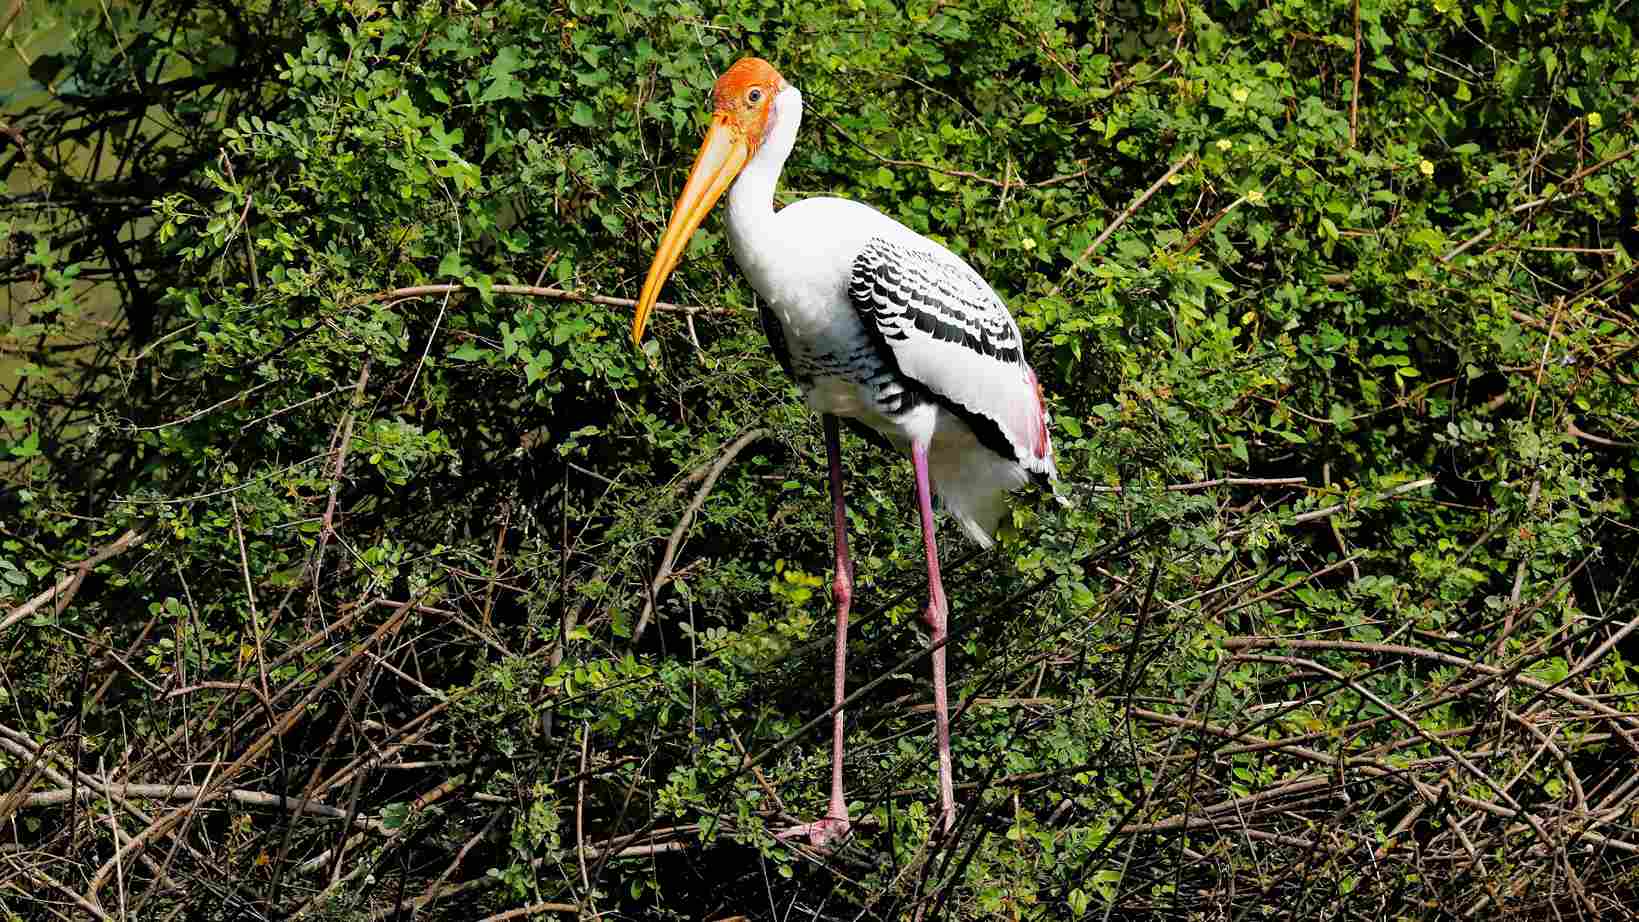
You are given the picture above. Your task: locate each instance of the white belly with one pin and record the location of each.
(855, 400)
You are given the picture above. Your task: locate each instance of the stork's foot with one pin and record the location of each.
(820, 833)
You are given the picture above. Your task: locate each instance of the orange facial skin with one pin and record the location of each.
(743, 106)
(744, 94)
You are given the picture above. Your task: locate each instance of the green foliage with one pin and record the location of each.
(372, 524)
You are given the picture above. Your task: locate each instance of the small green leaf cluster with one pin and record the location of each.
(332, 473)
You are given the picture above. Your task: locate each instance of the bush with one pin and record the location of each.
(337, 493)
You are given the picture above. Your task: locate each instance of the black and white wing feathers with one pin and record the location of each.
(947, 331)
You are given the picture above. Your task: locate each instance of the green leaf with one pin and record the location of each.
(450, 266)
(29, 447)
(503, 87)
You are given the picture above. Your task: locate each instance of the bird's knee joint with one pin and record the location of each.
(934, 615)
(842, 587)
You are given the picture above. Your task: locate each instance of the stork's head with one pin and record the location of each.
(742, 116)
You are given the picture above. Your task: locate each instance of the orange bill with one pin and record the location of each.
(723, 154)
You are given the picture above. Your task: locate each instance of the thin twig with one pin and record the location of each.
(1354, 99)
(343, 441)
(64, 589)
(533, 909)
(296, 406)
(1534, 204)
(1386, 494)
(1529, 681)
(115, 790)
(1195, 238)
(580, 810)
(1002, 184)
(250, 599)
(1216, 482)
(1126, 213)
(676, 540)
(535, 291)
(242, 395)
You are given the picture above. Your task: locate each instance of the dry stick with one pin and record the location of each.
(245, 687)
(1282, 590)
(57, 796)
(253, 752)
(927, 707)
(1542, 361)
(1589, 251)
(1413, 814)
(1121, 219)
(1412, 725)
(64, 590)
(114, 826)
(1534, 204)
(443, 307)
(23, 746)
(363, 684)
(1195, 238)
(1370, 768)
(124, 661)
(404, 735)
(533, 909)
(535, 291)
(1547, 745)
(495, 559)
(250, 598)
(1599, 652)
(355, 771)
(1354, 100)
(1618, 801)
(84, 904)
(432, 892)
(580, 810)
(1337, 533)
(454, 616)
(666, 561)
(1386, 494)
(421, 902)
(1575, 431)
(239, 724)
(352, 811)
(416, 806)
(296, 406)
(1182, 824)
(1218, 482)
(1450, 659)
(15, 799)
(1519, 568)
(1207, 686)
(396, 910)
(198, 413)
(344, 439)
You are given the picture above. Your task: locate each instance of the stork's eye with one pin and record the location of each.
(755, 96)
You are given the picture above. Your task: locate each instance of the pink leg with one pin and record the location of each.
(835, 823)
(936, 618)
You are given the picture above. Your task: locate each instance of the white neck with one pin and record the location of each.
(751, 199)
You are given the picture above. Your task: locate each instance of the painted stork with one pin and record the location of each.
(877, 324)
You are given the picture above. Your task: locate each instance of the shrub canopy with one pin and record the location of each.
(337, 492)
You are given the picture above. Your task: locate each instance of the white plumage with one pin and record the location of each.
(877, 324)
(845, 280)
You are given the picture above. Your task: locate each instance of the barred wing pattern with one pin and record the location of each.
(950, 334)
